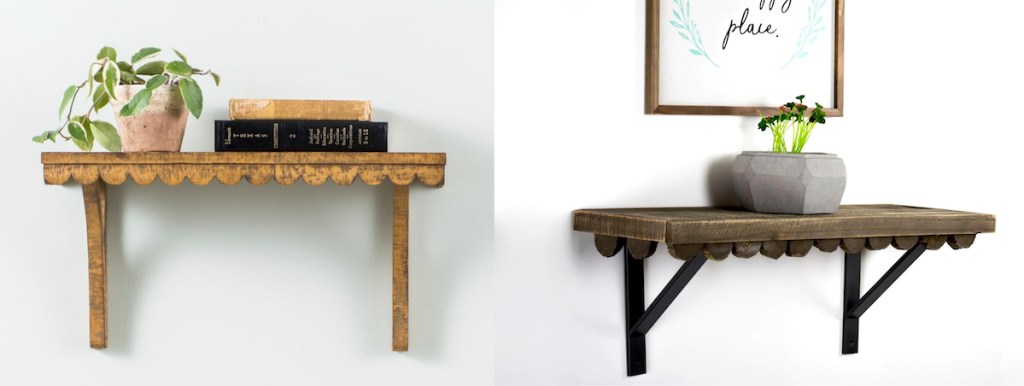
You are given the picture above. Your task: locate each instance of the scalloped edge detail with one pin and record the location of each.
(284, 174)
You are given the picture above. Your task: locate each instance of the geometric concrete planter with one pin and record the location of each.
(803, 183)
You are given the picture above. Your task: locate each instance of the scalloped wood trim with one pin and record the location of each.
(231, 174)
(776, 248)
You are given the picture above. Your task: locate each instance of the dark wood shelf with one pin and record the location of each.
(696, 235)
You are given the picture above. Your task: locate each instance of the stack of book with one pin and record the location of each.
(300, 125)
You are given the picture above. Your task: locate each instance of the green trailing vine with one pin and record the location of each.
(688, 30)
(811, 32)
(106, 73)
(792, 115)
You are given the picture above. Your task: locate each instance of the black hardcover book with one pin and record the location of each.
(272, 135)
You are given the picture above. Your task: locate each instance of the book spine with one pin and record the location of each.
(300, 109)
(292, 135)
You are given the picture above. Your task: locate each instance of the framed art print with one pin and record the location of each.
(742, 57)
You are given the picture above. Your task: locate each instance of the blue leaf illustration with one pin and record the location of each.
(687, 29)
(810, 32)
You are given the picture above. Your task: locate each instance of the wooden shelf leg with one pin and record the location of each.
(95, 196)
(400, 268)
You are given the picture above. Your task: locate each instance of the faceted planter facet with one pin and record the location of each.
(804, 183)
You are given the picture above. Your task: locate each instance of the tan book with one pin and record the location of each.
(300, 109)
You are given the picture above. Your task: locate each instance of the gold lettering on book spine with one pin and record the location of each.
(275, 136)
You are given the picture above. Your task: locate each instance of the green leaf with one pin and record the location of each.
(107, 52)
(181, 69)
(111, 78)
(180, 55)
(145, 53)
(69, 94)
(77, 131)
(156, 81)
(696, 52)
(100, 98)
(152, 68)
(216, 78)
(91, 80)
(106, 135)
(193, 96)
(129, 78)
(84, 145)
(49, 135)
(125, 67)
(138, 103)
(88, 131)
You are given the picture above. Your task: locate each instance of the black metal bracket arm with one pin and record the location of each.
(640, 320)
(854, 306)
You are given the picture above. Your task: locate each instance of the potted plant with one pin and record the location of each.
(151, 101)
(789, 180)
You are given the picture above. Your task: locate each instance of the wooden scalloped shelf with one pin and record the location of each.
(257, 168)
(97, 170)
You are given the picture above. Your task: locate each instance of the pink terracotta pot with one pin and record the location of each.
(159, 127)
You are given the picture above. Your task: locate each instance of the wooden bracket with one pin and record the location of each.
(400, 268)
(95, 195)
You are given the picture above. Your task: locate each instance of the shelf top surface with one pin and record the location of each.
(709, 225)
(250, 158)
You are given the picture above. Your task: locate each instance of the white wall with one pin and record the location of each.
(932, 89)
(246, 285)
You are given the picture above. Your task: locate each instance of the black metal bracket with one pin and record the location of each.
(854, 306)
(640, 320)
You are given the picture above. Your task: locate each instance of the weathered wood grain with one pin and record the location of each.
(827, 245)
(246, 158)
(313, 168)
(746, 249)
(641, 249)
(400, 268)
(878, 243)
(799, 248)
(685, 251)
(904, 242)
(852, 244)
(95, 195)
(773, 248)
(608, 246)
(717, 251)
(933, 242)
(720, 225)
(960, 241)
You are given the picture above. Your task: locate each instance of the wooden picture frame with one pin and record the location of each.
(653, 103)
